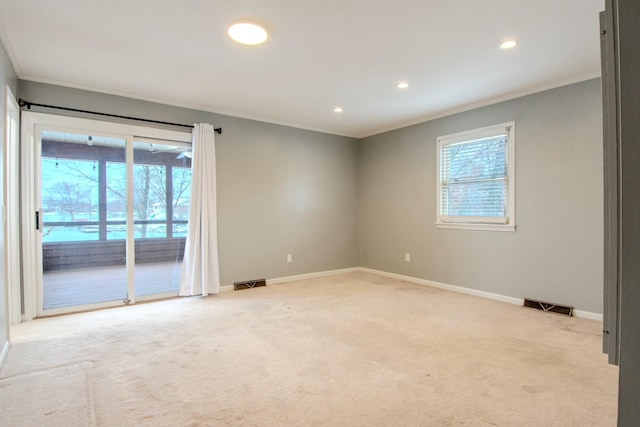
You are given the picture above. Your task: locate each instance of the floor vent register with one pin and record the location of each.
(249, 284)
(548, 306)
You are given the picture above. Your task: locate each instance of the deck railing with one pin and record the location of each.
(105, 253)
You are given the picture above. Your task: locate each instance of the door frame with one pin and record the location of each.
(11, 206)
(32, 123)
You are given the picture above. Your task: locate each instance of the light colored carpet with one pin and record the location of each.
(346, 350)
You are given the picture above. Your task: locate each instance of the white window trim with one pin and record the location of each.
(479, 223)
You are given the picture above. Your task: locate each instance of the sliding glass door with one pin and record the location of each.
(84, 219)
(162, 186)
(110, 214)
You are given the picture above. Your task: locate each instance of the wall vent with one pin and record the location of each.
(548, 306)
(249, 284)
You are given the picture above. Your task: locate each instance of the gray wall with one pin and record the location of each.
(7, 77)
(555, 254)
(281, 190)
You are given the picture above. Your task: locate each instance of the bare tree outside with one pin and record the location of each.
(68, 191)
(69, 198)
(72, 186)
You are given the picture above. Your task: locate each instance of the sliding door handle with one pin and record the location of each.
(38, 219)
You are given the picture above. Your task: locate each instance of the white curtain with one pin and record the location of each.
(200, 272)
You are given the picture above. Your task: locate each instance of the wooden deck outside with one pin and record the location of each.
(69, 288)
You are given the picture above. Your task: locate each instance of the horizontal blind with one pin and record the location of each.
(474, 177)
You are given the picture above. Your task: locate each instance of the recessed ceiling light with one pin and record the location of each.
(508, 44)
(403, 85)
(247, 33)
(337, 110)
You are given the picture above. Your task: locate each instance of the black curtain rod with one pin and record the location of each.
(23, 103)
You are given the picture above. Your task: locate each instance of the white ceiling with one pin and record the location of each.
(320, 54)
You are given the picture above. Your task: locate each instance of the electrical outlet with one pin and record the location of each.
(289, 258)
(407, 257)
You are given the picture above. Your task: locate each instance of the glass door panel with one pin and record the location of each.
(162, 180)
(83, 221)
(116, 201)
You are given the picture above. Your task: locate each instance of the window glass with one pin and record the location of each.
(476, 179)
(69, 199)
(181, 193)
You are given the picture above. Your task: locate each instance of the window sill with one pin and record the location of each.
(471, 226)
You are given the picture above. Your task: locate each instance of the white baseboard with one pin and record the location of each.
(588, 315)
(3, 354)
(468, 291)
(226, 288)
(311, 275)
(459, 289)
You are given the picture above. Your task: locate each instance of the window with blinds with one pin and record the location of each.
(476, 179)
